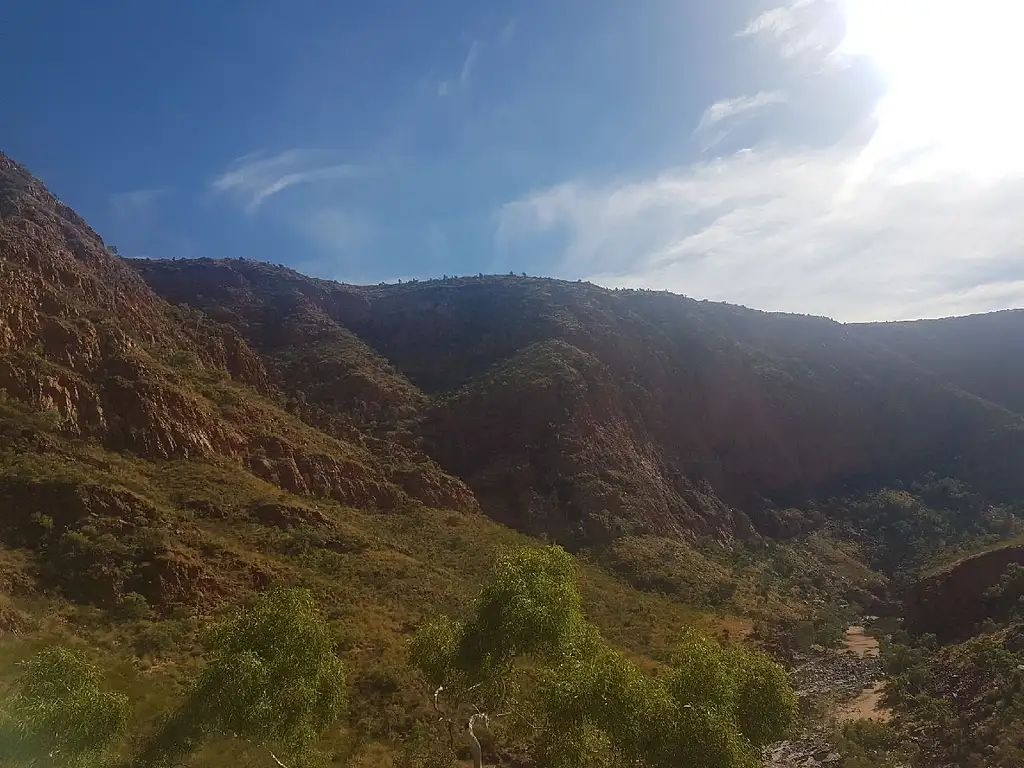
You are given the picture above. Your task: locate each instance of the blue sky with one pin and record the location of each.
(784, 155)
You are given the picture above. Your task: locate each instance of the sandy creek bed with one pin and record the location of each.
(850, 678)
(868, 703)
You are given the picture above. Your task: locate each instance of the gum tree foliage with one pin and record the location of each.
(526, 656)
(274, 679)
(59, 713)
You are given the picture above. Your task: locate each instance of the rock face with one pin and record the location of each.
(551, 446)
(950, 604)
(84, 339)
(983, 354)
(565, 409)
(584, 413)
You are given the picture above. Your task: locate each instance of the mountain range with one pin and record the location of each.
(562, 409)
(193, 430)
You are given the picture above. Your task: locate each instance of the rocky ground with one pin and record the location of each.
(827, 682)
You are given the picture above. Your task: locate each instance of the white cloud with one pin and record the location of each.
(137, 201)
(738, 107)
(775, 22)
(912, 214)
(778, 229)
(254, 178)
(799, 28)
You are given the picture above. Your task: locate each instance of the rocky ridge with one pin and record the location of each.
(101, 380)
(83, 337)
(952, 601)
(586, 414)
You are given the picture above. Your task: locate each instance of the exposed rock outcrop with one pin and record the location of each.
(583, 413)
(84, 339)
(951, 603)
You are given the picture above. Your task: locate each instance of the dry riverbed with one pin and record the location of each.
(848, 684)
(867, 705)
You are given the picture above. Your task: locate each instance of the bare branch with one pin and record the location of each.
(474, 743)
(280, 764)
(437, 699)
(517, 715)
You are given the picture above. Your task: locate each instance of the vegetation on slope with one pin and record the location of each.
(958, 695)
(527, 652)
(164, 459)
(982, 354)
(961, 704)
(272, 682)
(671, 415)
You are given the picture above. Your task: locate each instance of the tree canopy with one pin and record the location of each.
(527, 653)
(60, 713)
(524, 659)
(274, 678)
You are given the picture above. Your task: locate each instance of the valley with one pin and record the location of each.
(180, 437)
(845, 684)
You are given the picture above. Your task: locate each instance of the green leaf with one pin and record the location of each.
(59, 710)
(274, 678)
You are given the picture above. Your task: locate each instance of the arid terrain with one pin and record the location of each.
(177, 436)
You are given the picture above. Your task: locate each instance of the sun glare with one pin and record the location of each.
(953, 70)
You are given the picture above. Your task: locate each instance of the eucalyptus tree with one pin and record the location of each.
(526, 662)
(59, 713)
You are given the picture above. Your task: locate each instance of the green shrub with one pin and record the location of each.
(869, 744)
(133, 607)
(59, 712)
(157, 637)
(716, 707)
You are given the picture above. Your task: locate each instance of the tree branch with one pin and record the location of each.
(517, 715)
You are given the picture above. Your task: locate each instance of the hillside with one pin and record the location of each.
(982, 354)
(956, 674)
(153, 472)
(585, 413)
(954, 600)
(177, 436)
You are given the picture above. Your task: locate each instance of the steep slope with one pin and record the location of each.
(955, 679)
(551, 446)
(585, 412)
(952, 601)
(109, 393)
(152, 473)
(334, 378)
(554, 478)
(983, 354)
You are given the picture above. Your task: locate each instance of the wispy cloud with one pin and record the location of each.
(735, 108)
(894, 220)
(507, 32)
(136, 201)
(337, 231)
(801, 27)
(773, 228)
(256, 177)
(450, 86)
(468, 63)
(775, 22)
(341, 239)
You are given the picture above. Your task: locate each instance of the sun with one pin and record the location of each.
(953, 72)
